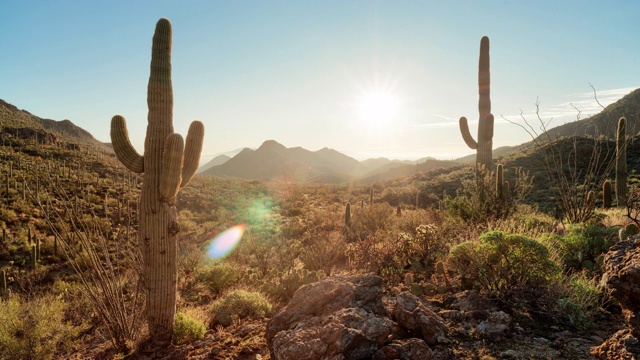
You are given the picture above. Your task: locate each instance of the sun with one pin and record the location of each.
(377, 107)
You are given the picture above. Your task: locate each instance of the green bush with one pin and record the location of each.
(34, 329)
(240, 304)
(219, 276)
(581, 302)
(504, 265)
(187, 329)
(581, 246)
(479, 202)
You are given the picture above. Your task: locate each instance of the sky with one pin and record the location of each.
(366, 78)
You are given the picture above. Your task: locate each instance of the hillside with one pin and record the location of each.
(605, 122)
(218, 160)
(21, 124)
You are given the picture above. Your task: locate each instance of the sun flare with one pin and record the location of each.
(378, 107)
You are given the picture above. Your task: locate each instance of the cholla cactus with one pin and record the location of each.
(168, 164)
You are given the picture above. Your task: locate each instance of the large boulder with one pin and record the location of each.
(413, 314)
(622, 345)
(622, 276)
(340, 317)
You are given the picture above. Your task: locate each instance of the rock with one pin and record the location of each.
(413, 314)
(339, 317)
(622, 276)
(497, 327)
(622, 345)
(405, 350)
(470, 300)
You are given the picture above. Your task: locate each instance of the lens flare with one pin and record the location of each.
(225, 242)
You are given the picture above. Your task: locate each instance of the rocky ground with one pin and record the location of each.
(349, 317)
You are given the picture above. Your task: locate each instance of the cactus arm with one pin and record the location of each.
(171, 175)
(125, 152)
(466, 135)
(192, 150)
(486, 134)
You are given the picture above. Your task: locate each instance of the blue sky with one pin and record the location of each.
(297, 71)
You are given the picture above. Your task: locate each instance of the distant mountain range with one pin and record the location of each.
(273, 160)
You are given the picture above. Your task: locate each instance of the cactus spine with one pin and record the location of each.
(621, 162)
(484, 144)
(606, 194)
(168, 164)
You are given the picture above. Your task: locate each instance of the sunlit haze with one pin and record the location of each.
(366, 78)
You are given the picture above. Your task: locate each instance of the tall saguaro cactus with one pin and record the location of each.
(168, 164)
(484, 144)
(621, 162)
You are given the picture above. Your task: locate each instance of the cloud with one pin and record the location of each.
(581, 106)
(438, 123)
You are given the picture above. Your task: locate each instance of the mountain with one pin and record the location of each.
(21, 124)
(218, 160)
(272, 160)
(393, 171)
(606, 122)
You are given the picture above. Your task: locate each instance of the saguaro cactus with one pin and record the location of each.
(500, 182)
(167, 164)
(621, 162)
(484, 144)
(606, 194)
(347, 215)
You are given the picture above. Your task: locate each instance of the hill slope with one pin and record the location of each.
(606, 122)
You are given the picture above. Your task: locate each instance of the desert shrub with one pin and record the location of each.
(525, 221)
(219, 276)
(282, 285)
(376, 218)
(240, 304)
(187, 329)
(581, 246)
(478, 200)
(34, 329)
(581, 302)
(323, 252)
(504, 265)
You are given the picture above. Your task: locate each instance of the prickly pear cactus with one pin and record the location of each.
(167, 164)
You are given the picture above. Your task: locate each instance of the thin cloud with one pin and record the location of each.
(450, 122)
(581, 106)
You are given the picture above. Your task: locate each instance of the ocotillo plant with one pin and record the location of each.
(606, 194)
(484, 144)
(621, 162)
(168, 164)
